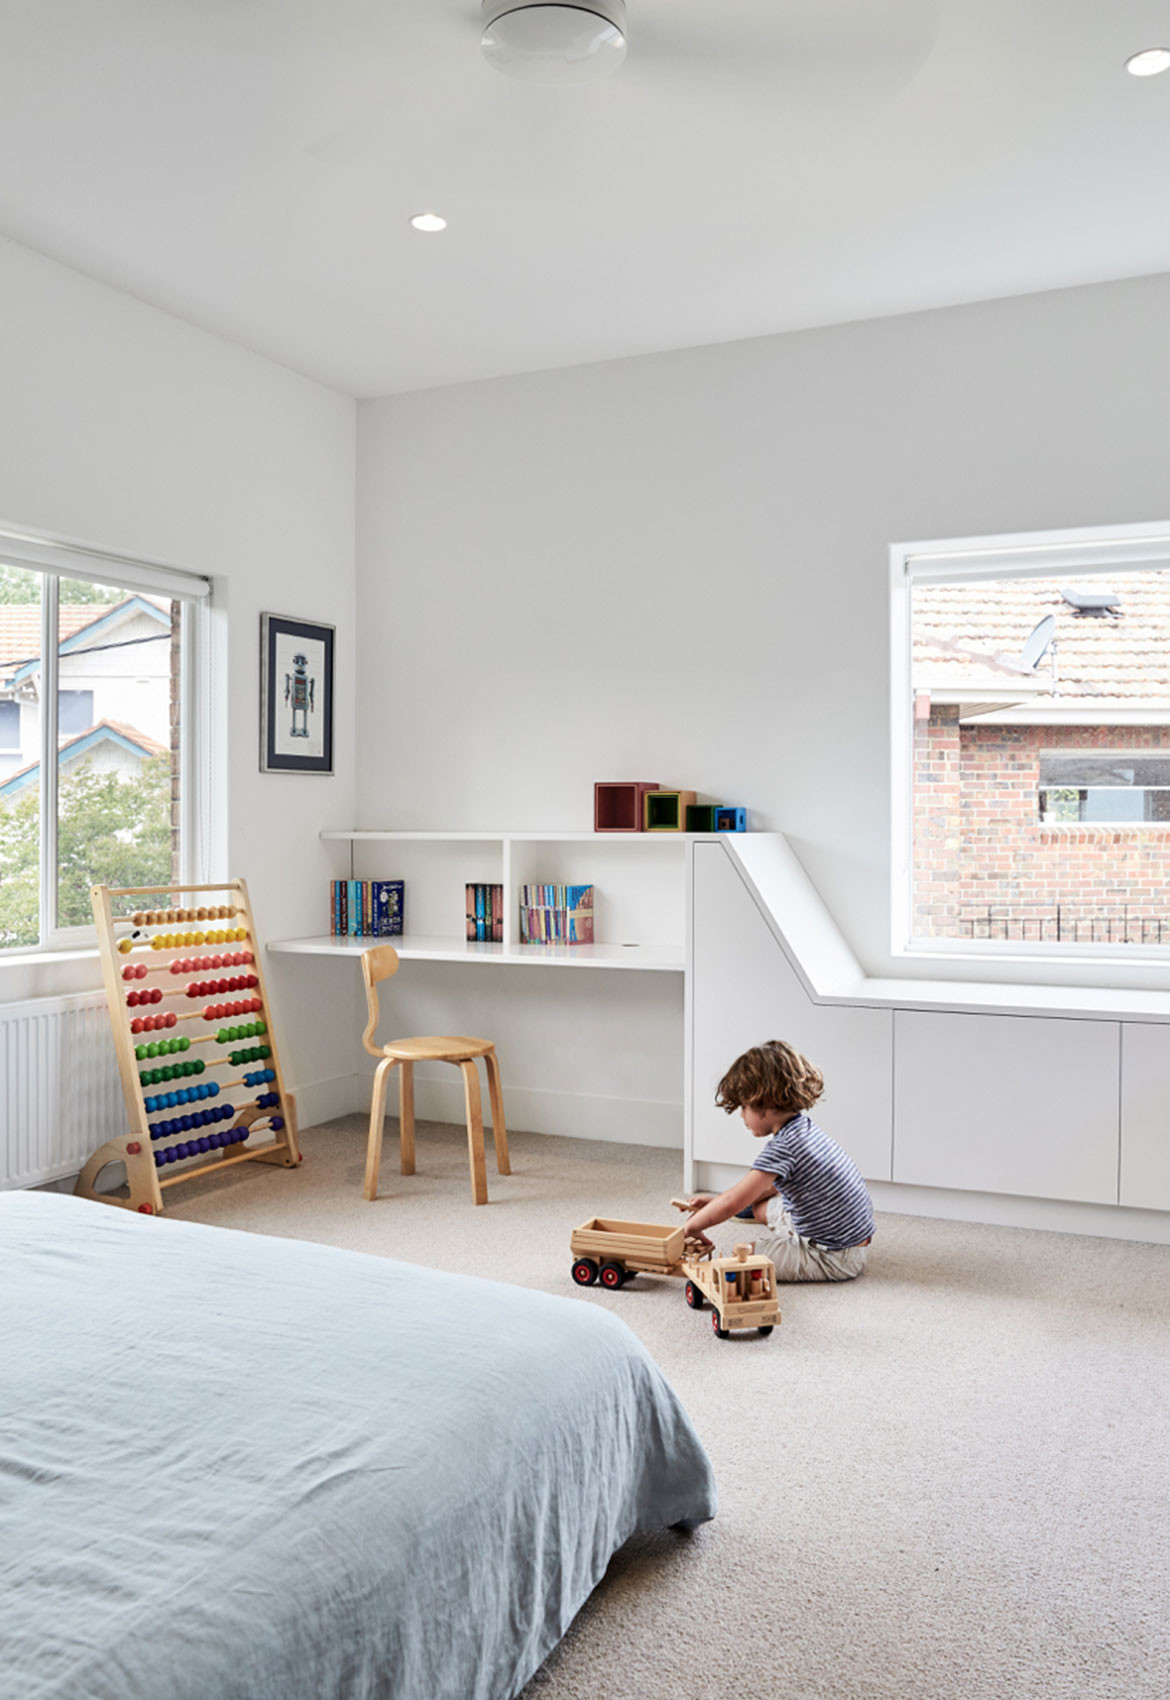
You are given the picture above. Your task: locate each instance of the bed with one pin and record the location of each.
(244, 1468)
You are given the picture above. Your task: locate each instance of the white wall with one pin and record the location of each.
(675, 567)
(125, 428)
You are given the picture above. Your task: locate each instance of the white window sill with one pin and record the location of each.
(37, 958)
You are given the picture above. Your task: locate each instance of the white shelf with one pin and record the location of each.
(655, 958)
(659, 837)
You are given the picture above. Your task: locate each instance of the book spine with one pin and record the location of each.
(498, 914)
(351, 898)
(480, 928)
(469, 895)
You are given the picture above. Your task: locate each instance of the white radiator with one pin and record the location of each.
(60, 1093)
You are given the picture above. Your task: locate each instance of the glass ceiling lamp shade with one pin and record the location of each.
(542, 41)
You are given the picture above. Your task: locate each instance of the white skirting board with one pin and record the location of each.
(569, 1115)
(1003, 1210)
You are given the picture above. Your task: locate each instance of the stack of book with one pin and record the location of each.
(556, 914)
(366, 909)
(485, 913)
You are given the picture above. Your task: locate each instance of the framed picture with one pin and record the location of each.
(296, 695)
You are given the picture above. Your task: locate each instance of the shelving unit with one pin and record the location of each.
(639, 880)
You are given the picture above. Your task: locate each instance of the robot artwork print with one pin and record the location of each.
(296, 695)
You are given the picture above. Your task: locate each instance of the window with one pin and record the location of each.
(1032, 744)
(1113, 789)
(99, 763)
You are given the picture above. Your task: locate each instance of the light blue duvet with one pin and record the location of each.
(242, 1468)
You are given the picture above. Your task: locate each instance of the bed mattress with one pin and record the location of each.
(241, 1468)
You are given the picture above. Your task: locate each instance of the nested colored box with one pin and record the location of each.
(700, 817)
(666, 811)
(730, 820)
(617, 804)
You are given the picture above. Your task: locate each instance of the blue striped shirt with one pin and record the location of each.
(827, 1199)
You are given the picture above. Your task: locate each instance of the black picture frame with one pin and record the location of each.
(296, 695)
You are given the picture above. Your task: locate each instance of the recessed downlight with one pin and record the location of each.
(1149, 62)
(428, 222)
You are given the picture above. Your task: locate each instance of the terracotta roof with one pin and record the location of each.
(148, 746)
(20, 628)
(972, 634)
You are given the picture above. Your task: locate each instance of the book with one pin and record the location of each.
(387, 908)
(556, 914)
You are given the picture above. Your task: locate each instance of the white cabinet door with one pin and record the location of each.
(1145, 1116)
(1007, 1103)
(744, 991)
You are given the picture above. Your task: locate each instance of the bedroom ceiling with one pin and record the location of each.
(755, 166)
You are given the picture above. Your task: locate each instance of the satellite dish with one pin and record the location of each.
(1091, 601)
(1036, 647)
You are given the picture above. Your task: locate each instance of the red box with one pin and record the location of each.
(618, 806)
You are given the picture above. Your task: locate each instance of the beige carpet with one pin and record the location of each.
(948, 1479)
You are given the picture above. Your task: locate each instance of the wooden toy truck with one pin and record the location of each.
(611, 1251)
(741, 1288)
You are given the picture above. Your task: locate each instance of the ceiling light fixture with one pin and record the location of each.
(1148, 62)
(428, 222)
(542, 41)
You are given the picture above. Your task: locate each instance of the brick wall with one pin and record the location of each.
(984, 865)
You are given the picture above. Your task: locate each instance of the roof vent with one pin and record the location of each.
(1093, 603)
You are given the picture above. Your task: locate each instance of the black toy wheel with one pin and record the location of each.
(612, 1275)
(584, 1271)
(694, 1296)
(766, 1330)
(723, 1333)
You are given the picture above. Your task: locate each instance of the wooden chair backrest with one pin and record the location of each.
(377, 964)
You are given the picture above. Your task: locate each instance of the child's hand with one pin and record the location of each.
(698, 1241)
(693, 1204)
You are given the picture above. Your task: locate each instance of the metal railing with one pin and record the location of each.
(1065, 923)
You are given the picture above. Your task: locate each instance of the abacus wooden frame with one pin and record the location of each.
(144, 1185)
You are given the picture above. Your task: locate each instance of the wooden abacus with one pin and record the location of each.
(136, 950)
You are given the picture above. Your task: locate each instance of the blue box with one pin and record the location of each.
(730, 820)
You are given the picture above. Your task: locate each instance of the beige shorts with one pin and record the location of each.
(798, 1259)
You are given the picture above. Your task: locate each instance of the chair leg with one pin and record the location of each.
(377, 1117)
(406, 1118)
(499, 1131)
(479, 1190)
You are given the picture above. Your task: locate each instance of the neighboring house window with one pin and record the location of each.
(1032, 697)
(1115, 790)
(102, 777)
(74, 711)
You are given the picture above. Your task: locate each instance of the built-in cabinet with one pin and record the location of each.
(1006, 1103)
(1145, 1115)
(743, 990)
(1029, 1101)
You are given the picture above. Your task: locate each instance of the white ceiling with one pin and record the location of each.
(755, 166)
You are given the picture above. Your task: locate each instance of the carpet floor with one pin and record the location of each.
(949, 1478)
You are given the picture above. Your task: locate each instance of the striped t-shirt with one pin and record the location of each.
(826, 1197)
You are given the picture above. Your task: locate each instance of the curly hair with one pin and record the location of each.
(771, 1076)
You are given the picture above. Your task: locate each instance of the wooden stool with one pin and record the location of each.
(379, 964)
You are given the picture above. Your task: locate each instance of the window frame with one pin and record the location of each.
(1078, 551)
(54, 560)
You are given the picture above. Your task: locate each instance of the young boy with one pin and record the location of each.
(803, 1189)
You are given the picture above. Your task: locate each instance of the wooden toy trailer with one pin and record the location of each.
(610, 1251)
(741, 1288)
